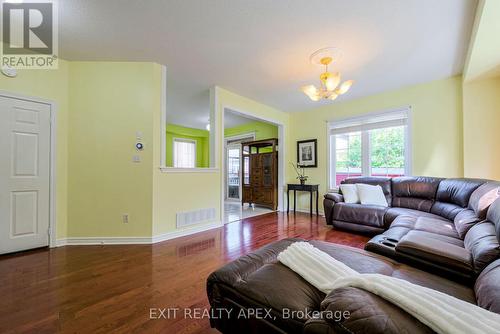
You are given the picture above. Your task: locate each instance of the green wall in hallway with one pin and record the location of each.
(262, 130)
(199, 136)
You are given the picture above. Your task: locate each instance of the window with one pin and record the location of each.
(373, 145)
(184, 153)
(233, 171)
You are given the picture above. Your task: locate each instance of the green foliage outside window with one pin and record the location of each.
(386, 145)
(351, 158)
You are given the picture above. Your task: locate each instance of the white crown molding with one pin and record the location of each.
(87, 241)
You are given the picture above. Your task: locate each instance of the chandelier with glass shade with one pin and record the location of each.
(330, 87)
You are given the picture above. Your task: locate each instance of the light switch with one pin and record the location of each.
(136, 158)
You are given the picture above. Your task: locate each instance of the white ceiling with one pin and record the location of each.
(260, 49)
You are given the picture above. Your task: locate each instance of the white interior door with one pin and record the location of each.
(24, 174)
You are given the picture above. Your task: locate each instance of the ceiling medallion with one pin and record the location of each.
(329, 82)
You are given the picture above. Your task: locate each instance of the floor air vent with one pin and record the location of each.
(189, 218)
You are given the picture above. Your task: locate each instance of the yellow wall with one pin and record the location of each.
(101, 105)
(109, 102)
(51, 85)
(175, 192)
(481, 95)
(436, 128)
(481, 129)
(483, 57)
(262, 130)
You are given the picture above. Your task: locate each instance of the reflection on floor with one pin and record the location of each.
(233, 211)
(114, 288)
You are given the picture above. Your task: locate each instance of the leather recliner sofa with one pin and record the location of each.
(434, 223)
(257, 294)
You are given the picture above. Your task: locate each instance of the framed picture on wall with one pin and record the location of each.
(307, 153)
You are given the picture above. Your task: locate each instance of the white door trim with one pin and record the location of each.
(52, 168)
(281, 153)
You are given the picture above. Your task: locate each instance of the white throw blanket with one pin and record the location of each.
(439, 311)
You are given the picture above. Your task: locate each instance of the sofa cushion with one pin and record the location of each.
(453, 195)
(369, 313)
(384, 182)
(371, 215)
(457, 191)
(350, 193)
(450, 240)
(393, 213)
(371, 195)
(406, 221)
(464, 221)
(416, 193)
(483, 197)
(493, 216)
(487, 287)
(416, 244)
(427, 226)
(437, 226)
(482, 243)
(446, 210)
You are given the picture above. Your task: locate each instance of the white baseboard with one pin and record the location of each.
(136, 240)
(103, 241)
(185, 232)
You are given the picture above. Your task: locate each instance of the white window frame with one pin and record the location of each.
(183, 140)
(362, 123)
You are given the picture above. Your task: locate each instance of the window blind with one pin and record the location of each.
(370, 122)
(184, 153)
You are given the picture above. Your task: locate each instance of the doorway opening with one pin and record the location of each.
(240, 128)
(234, 166)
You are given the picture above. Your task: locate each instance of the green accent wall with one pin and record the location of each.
(201, 137)
(262, 130)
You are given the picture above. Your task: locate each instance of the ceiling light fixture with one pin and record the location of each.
(329, 82)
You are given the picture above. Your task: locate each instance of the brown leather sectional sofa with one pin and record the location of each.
(257, 294)
(437, 224)
(449, 227)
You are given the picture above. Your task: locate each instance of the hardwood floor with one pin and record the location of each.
(111, 289)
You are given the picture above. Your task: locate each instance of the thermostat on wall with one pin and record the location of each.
(9, 71)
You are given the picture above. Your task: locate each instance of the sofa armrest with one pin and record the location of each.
(336, 197)
(353, 310)
(233, 272)
(328, 202)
